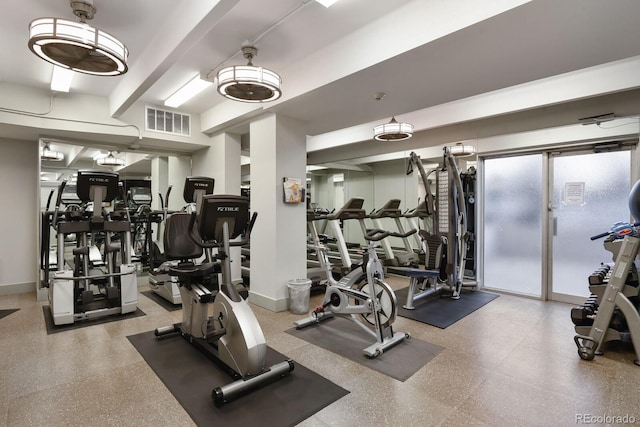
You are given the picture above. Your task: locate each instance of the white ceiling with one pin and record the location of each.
(421, 53)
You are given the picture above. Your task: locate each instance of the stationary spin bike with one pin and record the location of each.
(374, 300)
(232, 337)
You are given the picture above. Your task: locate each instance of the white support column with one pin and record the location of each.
(278, 243)
(159, 185)
(221, 161)
(159, 179)
(179, 168)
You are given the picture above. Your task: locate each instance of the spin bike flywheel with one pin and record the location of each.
(387, 302)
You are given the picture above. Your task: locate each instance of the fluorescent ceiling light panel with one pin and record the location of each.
(61, 79)
(188, 91)
(311, 168)
(327, 3)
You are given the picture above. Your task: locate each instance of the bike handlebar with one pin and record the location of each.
(377, 234)
(54, 221)
(60, 190)
(49, 199)
(166, 197)
(600, 236)
(619, 229)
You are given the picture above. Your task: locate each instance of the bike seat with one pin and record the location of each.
(414, 272)
(192, 270)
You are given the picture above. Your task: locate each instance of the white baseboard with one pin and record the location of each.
(268, 303)
(17, 288)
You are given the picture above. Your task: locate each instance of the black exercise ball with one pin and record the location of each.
(634, 201)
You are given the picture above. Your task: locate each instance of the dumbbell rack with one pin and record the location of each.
(612, 292)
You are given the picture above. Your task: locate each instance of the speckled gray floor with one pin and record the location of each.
(513, 362)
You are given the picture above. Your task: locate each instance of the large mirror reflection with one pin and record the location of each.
(346, 200)
(60, 163)
(389, 191)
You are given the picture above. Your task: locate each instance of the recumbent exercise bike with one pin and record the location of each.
(232, 337)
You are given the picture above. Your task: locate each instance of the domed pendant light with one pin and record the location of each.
(248, 83)
(393, 131)
(76, 45)
(50, 155)
(110, 160)
(462, 150)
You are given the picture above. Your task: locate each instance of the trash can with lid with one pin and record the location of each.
(299, 291)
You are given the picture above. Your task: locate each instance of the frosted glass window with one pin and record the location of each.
(151, 118)
(590, 193)
(186, 125)
(160, 120)
(513, 224)
(168, 122)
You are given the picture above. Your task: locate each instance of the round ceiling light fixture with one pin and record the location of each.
(248, 83)
(76, 45)
(462, 150)
(393, 131)
(110, 160)
(50, 155)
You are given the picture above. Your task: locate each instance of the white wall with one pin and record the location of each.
(392, 182)
(19, 190)
(221, 161)
(358, 184)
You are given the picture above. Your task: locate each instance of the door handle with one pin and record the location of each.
(555, 226)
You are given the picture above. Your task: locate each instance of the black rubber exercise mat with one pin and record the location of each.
(342, 336)
(167, 305)
(52, 329)
(6, 312)
(443, 311)
(191, 376)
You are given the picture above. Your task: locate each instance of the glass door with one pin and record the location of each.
(540, 211)
(589, 192)
(512, 243)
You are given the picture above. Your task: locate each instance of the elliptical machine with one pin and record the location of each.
(88, 291)
(232, 337)
(373, 300)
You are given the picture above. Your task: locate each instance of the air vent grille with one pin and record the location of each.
(167, 122)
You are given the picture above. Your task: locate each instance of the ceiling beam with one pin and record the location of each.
(180, 34)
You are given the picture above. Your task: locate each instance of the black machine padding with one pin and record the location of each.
(351, 210)
(195, 184)
(218, 209)
(634, 201)
(89, 181)
(390, 210)
(177, 243)
(434, 249)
